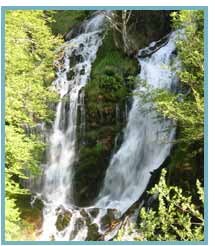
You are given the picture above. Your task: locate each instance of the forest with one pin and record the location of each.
(104, 125)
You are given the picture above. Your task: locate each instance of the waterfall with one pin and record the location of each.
(147, 137)
(73, 73)
(146, 142)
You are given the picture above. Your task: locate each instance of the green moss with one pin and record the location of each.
(110, 74)
(107, 89)
(111, 58)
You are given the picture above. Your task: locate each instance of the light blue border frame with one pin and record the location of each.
(205, 8)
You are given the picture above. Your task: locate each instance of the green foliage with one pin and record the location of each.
(29, 58)
(12, 219)
(175, 218)
(64, 20)
(110, 76)
(29, 55)
(110, 58)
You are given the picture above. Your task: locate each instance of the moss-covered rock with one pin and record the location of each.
(93, 234)
(94, 212)
(63, 220)
(106, 97)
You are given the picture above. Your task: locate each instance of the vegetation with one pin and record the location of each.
(30, 51)
(176, 217)
(65, 20)
(108, 88)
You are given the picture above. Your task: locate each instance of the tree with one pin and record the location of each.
(29, 55)
(119, 22)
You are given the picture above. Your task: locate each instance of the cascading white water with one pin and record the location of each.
(57, 191)
(147, 139)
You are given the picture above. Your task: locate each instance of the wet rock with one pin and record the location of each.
(93, 233)
(109, 218)
(77, 227)
(75, 30)
(82, 72)
(79, 58)
(63, 220)
(93, 212)
(112, 232)
(72, 60)
(70, 75)
(153, 47)
(75, 59)
(81, 47)
(85, 215)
